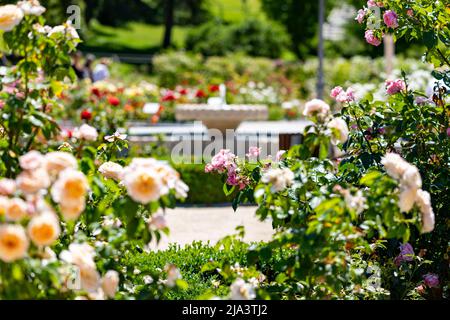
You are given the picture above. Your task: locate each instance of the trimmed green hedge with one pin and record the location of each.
(204, 188)
(190, 261)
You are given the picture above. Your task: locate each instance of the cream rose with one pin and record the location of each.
(279, 179)
(31, 7)
(144, 184)
(59, 161)
(73, 211)
(316, 107)
(7, 187)
(424, 202)
(70, 188)
(32, 181)
(44, 229)
(85, 132)
(13, 242)
(32, 160)
(82, 255)
(339, 130)
(10, 16)
(16, 209)
(111, 170)
(110, 283)
(4, 201)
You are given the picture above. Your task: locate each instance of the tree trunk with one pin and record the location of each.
(168, 22)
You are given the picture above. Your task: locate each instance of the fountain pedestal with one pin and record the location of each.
(221, 117)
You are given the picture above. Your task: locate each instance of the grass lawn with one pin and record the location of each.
(138, 37)
(134, 37)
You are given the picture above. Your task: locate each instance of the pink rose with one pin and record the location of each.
(431, 280)
(390, 19)
(360, 16)
(7, 187)
(253, 152)
(279, 155)
(395, 86)
(222, 161)
(406, 254)
(448, 132)
(31, 160)
(371, 3)
(343, 96)
(372, 39)
(336, 91)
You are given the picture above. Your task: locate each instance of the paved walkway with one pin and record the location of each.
(212, 224)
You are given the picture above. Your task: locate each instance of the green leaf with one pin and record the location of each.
(369, 178)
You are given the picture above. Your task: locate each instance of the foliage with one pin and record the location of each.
(252, 36)
(70, 205)
(347, 218)
(300, 19)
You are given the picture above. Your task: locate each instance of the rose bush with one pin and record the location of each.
(70, 206)
(371, 222)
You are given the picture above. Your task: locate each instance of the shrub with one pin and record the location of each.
(203, 188)
(252, 36)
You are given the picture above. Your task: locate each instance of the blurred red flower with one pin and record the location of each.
(96, 92)
(169, 96)
(114, 101)
(213, 88)
(86, 115)
(200, 94)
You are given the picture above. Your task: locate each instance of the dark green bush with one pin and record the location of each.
(252, 36)
(204, 188)
(210, 39)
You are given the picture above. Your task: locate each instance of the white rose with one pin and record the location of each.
(79, 254)
(10, 16)
(316, 107)
(339, 130)
(279, 179)
(86, 132)
(407, 199)
(424, 202)
(395, 165)
(31, 7)
(111, 170)
(241, 290)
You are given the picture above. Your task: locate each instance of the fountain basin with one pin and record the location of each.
(221, 117)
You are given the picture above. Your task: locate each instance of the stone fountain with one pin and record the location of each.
(217, 114)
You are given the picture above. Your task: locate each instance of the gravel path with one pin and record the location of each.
(212, 224)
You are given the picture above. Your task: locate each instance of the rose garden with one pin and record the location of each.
(350, 187)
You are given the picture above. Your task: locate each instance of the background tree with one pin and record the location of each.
(300, 19)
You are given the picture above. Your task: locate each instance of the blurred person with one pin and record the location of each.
(101, 70)
(87, 69)
(77, 65)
